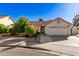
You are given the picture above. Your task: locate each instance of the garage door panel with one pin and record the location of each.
(57, 31)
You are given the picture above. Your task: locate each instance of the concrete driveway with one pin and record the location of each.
(20, 46)
(52, 38)
(16, 40)
(12, 45)
(68, 45)
(58, 45)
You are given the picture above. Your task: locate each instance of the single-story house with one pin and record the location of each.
(57, 26)
(6, 20)
(37, 24)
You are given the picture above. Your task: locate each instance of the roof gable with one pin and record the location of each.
(63, 20)
(46, 23)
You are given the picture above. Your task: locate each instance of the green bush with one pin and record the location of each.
(12, 32)
(16, 28)
(29, 31)
(3, 28)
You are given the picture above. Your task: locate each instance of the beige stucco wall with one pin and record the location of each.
(6, 21)
(59, 30)
(62, 23)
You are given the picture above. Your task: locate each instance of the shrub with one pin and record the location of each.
(3, 28)
(12, 32)
(22, 23)
(30, 30)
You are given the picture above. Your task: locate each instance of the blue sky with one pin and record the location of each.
(40, 10)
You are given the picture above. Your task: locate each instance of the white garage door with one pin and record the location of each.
(57, 31)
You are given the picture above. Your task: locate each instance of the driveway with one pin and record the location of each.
(13, 46)
(57, 45)
(52, 38)
(68, 45)
(16, 40)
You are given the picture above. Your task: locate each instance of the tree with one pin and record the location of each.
(18, 27)
(76, 20)
(40, 19)
(23, 26)
(23, 21)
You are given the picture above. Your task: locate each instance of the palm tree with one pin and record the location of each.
(40, 19)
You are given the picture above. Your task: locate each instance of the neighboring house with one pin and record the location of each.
(37, 24)
(57, 26)
(6, 20)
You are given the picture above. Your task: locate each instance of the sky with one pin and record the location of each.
(34, 11)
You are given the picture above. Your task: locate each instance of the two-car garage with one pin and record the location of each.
(58, 31)
(58, 27)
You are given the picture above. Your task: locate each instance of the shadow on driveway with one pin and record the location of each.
(59, 37)
(13, 42)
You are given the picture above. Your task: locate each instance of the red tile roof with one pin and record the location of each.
(36, 23)
(2, 16)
